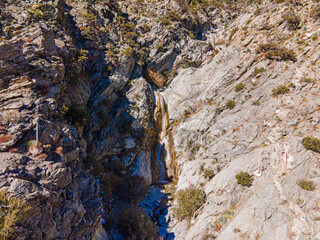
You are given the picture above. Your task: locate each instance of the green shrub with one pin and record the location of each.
(170, 17)
(244, 179)
(38, 13)
(146, 27)
(308, 80)
(208, 173)
(83, 55)
(311, 143)
(258, 70)
(233, 32)
(282, 89)
(111, 53)
(189, 201)
(134, 224)
(128, 52)
(186, 113)
(307, 185)
(230, 104)
(293, 21)
(239, 87)
(274, 52)
(89, 16)
(12, 211)
(208, 236)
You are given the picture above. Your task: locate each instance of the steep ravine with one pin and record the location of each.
(110, 109)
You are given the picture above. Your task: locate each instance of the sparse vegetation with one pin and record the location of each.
(258, 70)
(274, 52)
(308, 80)
(12, 211)
(311, 143)
(146, 27)
(208, 173)
(156, 78)
(189, 200)
(239, 87)
(128, 52)
(292, 20)
(170, 17)
(307, 185)
(231, 104)
(244, 179)
(282, 89)
(83, 55)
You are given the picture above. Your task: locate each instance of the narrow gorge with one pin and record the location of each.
(159, 120)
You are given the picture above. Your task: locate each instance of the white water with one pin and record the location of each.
(162, 153)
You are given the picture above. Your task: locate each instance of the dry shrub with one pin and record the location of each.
(11, 116)
(155, 78)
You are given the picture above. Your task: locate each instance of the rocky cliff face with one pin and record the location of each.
(111, 111)
(43, 87)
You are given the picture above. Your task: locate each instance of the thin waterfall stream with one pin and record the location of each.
(157, 202)
(162, 153)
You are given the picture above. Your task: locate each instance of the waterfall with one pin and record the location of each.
(162, 153)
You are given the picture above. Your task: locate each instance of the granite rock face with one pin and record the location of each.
(89, 89)
(261, 135)
(41, 150)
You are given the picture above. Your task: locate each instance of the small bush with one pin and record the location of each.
(308, 80)
(307, 185)
(244, 179)
(274, 52)
(186, 113)
(189, 201)
(12, 211)
(83, 55)
(293, 21)
(128, 52)
(311, 143)
(170, 17)
(146, 27)
(258, 70)
(239, 87)
(155, 78)
(282, 89)
(111, 53)
(208, 236)
(208, 173)
(233, 32)
(230, 104)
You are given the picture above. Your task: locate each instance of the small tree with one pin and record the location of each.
(189, 201)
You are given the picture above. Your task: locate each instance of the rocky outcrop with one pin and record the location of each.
(42, 97)
(261, 134)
